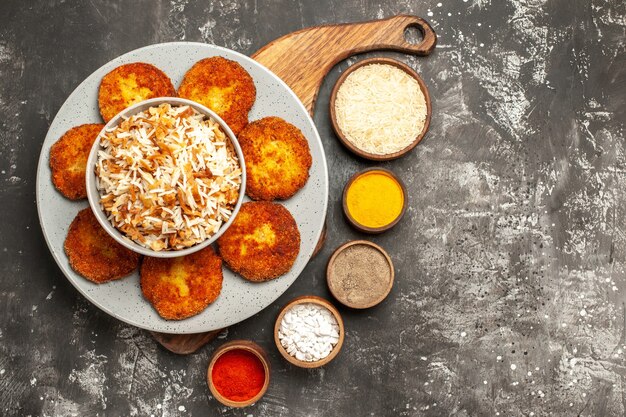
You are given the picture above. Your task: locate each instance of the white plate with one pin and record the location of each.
(239, 299)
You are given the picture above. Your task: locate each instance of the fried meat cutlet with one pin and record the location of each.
(182, 287)
(68, 160)
(277, 158)
(262, 243)
(129, 84)
(94, 254)
(223, 86)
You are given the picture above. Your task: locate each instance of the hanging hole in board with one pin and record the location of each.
(413, 34)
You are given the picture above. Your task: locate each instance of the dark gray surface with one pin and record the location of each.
(510, 263)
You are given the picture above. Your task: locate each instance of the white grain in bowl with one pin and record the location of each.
(380, 108)
(168, 190)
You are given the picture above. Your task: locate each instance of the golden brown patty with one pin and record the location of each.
(262, 243)
(277, 158)
(182, 287)
(129, 84)
(68, 160)
(94, 254)
(223, 86)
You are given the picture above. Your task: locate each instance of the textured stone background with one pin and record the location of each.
(511, 282)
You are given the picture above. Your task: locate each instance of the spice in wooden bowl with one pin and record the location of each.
(238, 373)
(374, 200)
(309, 332)
(360, 274)
(380, 109)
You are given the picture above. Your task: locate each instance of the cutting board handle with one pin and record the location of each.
(390, 34)
(303, 58)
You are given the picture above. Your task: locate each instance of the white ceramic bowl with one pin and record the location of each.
(94, 195)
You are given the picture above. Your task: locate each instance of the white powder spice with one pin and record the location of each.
(308, 332)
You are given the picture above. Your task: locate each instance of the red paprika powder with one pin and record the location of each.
(238, 375)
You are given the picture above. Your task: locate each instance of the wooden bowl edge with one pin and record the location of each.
(315, 300)
(342, 248)
(248, 346)
(357, 225)
(333, 115)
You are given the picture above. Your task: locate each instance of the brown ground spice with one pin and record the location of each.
(360, 275)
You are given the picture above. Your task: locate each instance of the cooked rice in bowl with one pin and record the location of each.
(168, 177)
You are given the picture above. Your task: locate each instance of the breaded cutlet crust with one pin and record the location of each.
(262, 243)
(223, 86)
(182, 287)
(278, 159)
(68, 160)
(94, 254)
(129, 84)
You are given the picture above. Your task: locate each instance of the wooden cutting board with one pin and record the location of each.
(302, 59)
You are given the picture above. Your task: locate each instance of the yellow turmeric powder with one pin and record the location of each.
(375, 199)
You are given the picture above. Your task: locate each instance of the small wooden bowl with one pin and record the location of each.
(331, 264)
(359, 226)
(333, 116)
(249, 347)
(313, 300)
